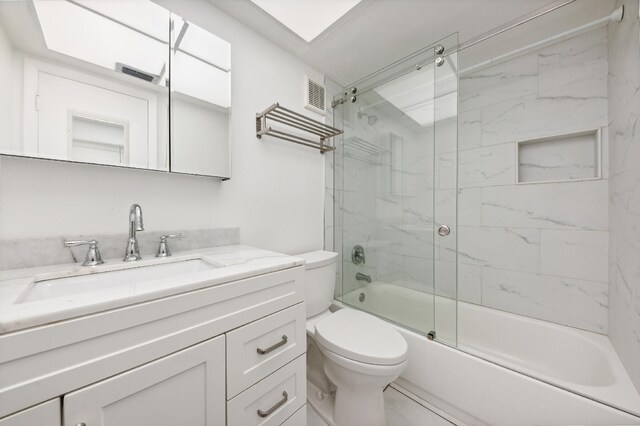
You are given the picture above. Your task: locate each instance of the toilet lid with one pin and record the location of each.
(361, 337)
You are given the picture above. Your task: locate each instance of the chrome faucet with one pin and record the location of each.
(135, 224)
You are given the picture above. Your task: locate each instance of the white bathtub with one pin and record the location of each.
(562, 356)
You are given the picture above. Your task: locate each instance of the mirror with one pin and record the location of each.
(89, 81)
(200, 100)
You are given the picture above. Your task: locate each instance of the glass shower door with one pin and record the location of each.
(387, 200)
(395, 185)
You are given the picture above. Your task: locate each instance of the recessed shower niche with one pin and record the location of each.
(572, 156)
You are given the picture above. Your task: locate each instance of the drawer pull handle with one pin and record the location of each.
(279, 404)
(274, 346)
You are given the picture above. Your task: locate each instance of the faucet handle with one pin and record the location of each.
(93, 256)
(177, 236)
(163, 248)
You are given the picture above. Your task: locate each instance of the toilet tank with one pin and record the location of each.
(320, 280)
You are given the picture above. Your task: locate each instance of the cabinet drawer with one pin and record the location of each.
(272, 400)
(261, 347)
(299, 418)
(45, 414)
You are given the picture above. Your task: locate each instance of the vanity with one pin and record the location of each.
(206, 337)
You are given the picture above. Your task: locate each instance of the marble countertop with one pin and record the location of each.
(234, 262)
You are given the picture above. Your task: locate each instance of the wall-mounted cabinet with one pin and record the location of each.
(116, 83)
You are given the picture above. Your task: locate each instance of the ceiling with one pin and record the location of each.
(376, 33)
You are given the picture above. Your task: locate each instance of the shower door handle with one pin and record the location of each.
(444, 230)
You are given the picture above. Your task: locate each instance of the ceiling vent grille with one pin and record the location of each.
(314, 96)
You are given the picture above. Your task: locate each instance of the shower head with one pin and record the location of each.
(371, 119)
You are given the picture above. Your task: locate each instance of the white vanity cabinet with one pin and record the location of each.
(205, 357)
(184, 388)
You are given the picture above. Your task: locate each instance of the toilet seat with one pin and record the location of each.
(361, 337)
(312, 321)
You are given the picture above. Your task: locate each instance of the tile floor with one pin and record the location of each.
(401, 411)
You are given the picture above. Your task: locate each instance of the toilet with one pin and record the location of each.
(351, 355)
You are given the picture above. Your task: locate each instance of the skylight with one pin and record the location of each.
(415, 94)
(307, 18)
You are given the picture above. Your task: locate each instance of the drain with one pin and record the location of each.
(361, 297)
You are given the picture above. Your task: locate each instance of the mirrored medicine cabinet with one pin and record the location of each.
(113, 82)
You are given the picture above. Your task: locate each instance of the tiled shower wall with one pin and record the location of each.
(536, 249)
(624, 130)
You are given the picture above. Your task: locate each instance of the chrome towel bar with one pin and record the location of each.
(282, 115)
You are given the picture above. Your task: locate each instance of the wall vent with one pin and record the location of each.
(134, 72)
(314, 96)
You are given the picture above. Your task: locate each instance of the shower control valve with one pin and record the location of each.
(357, 255)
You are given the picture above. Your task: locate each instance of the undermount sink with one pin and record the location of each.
(59, 287)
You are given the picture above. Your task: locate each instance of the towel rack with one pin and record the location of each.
(298, 121)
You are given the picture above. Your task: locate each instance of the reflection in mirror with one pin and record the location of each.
(85, 80)
(200, 100)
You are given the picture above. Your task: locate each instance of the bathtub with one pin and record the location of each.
(534, 357)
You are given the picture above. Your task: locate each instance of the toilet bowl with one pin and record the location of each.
(351, 355)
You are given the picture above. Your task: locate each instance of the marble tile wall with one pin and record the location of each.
(538, 250)
(624, 131)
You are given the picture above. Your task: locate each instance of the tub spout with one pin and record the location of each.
(363, 277)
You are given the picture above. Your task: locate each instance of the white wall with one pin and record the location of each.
(275, 195)
(624, 207)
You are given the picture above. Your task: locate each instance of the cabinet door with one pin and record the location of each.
(45, 414)
(185, 388)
